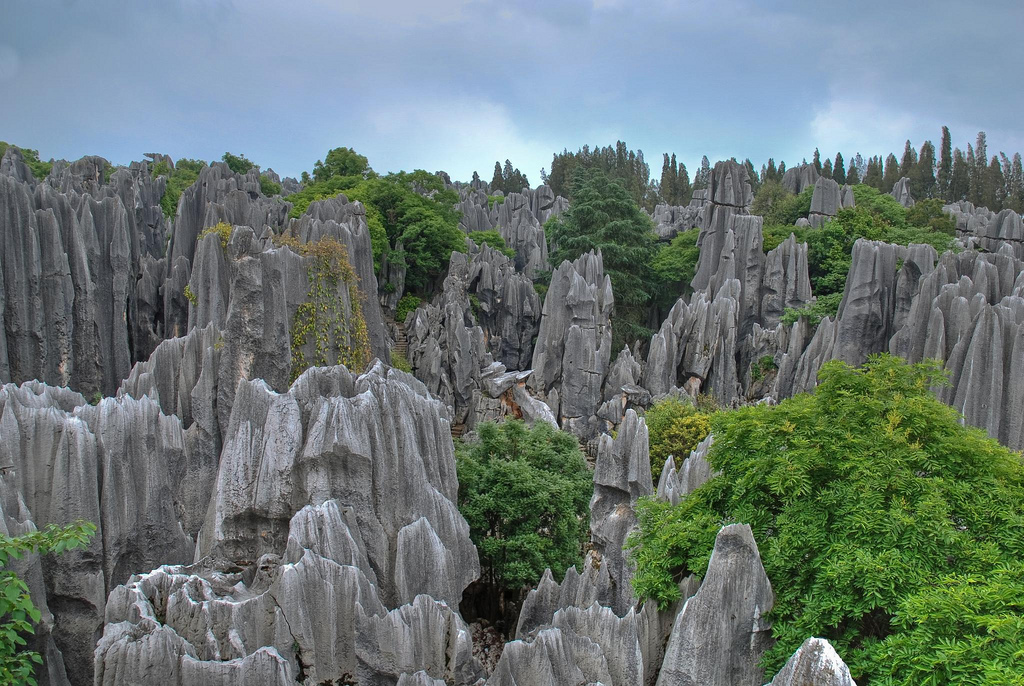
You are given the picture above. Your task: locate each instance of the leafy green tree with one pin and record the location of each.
(603, 216)
(344, 162)
(674, 428)
(237, 163)
(268, 187)
(674, 267)
(525, 493)
(17, 612)
(881, 520)
(494, 239)
(619, 162)
(184, 174)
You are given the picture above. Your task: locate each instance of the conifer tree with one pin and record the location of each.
(873, 173)
(992, 186)
(974, 179)
(853, 176)
(770, 173)
(908, 160)
(817, 161)
(891, 174)
(497, 181)
(754, 181)
(945, 164)
(960, 176)
(922, 175)
(838, 170)
(826, 169)
(704, 175)
(1017, 184)
(683, 190)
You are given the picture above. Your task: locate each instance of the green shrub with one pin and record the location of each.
(222, 230)
(17, 612)
(493, 239)
(191, 296)
(400, 361)
(493, 200)
(269, 188)
(39, 169)
(884, 525)
(762, 368)
(237, 163)
(674, 428)
(408, 303)
(824, 306)
(674, 267)
(184, 174)
(525, 493)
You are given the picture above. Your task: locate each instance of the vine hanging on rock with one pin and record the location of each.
(336, 329)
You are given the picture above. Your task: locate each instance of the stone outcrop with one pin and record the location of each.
(828, 198)
(796, 179)
(721, 632)
(728, 195)
(573, 351)
(670, 220)
(901, 191)
(815, 662)
(694, 472)
(622, 475)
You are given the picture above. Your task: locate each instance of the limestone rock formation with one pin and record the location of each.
(901, 191)
(828, 198)
(721, 634)
(573, 351)
(694, 472)
(670, 220)
(728, 195)
(796, 179)
(815, 662)
(622, 475)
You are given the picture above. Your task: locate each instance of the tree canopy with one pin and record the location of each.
(525, 493)
(884, 525)
(604, 217)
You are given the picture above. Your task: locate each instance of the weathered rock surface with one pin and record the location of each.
(827, 200)
(573, 351)
(694, 472)
(815, 663)
(796, 179)
(622, 475)
(728, 195)
(670, 220)
(721, 634)
(901, 191)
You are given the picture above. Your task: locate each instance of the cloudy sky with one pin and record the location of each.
(458, 84)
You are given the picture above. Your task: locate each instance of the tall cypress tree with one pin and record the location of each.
(826, 169)
(683, 190)
(853, 176)
(754, 181)
(974, 177)
(960, 175)
(1017, 184)
(838, 170)
(993, 185)
(922, 176)
(873, 173)
(891, 174)
(945, 164)
(817, 161)
(770, 174)
(667, 185)
(497, 181)
(704, 175)
(908, 160)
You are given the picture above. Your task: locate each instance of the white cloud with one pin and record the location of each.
(459, 135)
(850, 126)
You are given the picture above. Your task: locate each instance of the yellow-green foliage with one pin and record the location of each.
(400, 361)
(191, 296)
(222, 229)
(675, 428)
(339, 336)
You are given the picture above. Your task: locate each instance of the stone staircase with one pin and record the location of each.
(401, 340)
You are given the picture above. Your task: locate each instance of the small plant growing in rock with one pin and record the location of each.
(191, 296)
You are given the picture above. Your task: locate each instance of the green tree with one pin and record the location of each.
(959, 177)
(826, 169)
(874, 508)
(853, 175)
(674, 267)
(237, 163)
(674, 428)
(891, 174)
(184, 174)
(344, 162)
(873, 173)
(17, 612)
(922, 176)
(817, 161)
(525, 493)
(945, 165)
(268, 187)
(603, 216)
(839, 170)
(908, 161)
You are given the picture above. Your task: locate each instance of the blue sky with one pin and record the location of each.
(457, 85)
